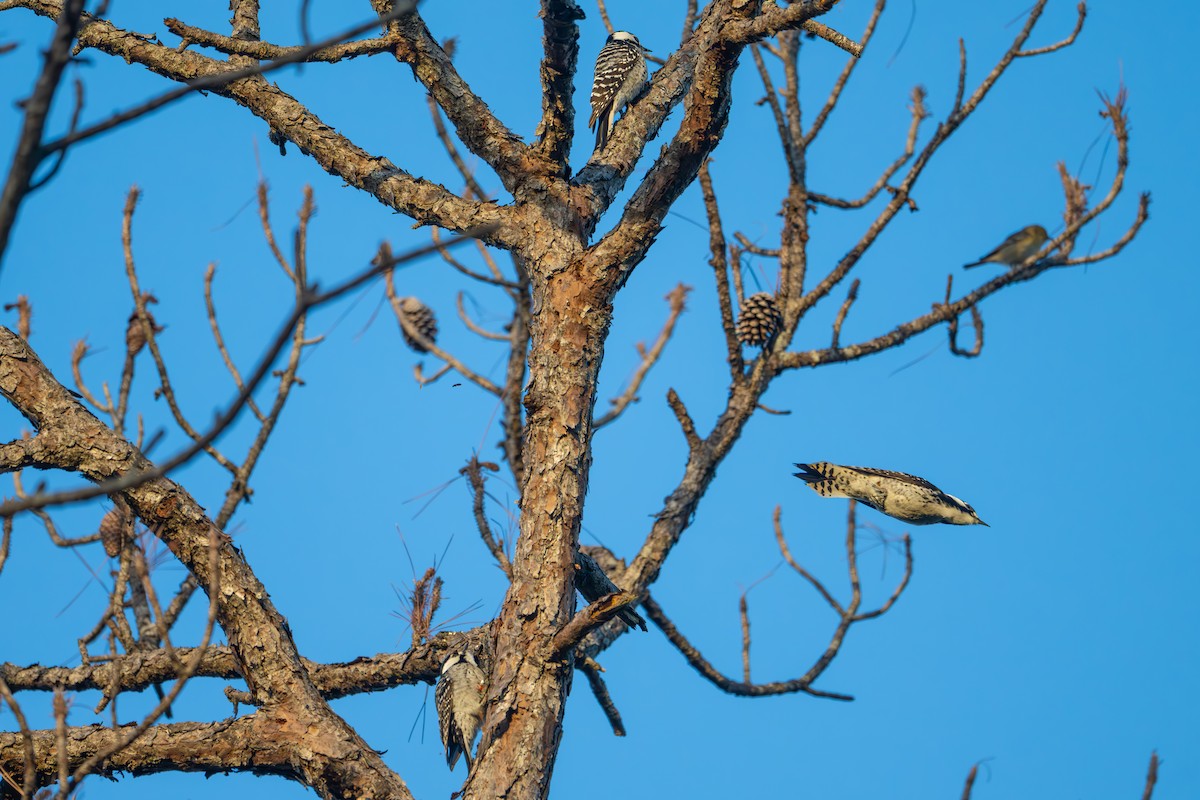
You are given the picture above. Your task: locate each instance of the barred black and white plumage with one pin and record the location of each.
(620, 75)
(897, 494)
(459, 699)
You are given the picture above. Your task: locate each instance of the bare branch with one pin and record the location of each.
(30, 781)
(966, 795)
(685, 421)
(588, 619)
(24, 315)
(796, 15)
(851, 296)
(475, 327)
(787, 556)
(1067, 42)
(700, 664)
(744, 615)
(717, 248)
(839, 85)
(149, 331)
(309, 299)
(256, 49)
(29, 151)
(474, 472)
(678, 302)
(591, 671)
(211, 308)
(1151, 777)
(411, 330)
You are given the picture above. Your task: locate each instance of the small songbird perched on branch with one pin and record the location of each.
(620, 75)
(899, 495)
(459, 700)
(1016, 248)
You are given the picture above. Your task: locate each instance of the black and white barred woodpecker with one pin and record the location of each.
(459, 700)
(897, 494)
(620, 75)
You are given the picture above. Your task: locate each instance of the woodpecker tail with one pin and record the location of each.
(975, 263)
(602, 123)
(819, 477)
(810, 473)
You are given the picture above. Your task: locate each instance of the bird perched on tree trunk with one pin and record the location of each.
(620, 75)
(593, 583)
(459, 700)
(897, 494)
(1016, 248)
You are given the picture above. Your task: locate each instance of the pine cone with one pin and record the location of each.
(420, 316)
(758, 320)
(135, 336)
(112, 531)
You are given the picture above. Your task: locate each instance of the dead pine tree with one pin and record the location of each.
(544, 252)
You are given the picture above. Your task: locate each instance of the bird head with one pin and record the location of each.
(465, 657)
(626, 36)
(966, 514)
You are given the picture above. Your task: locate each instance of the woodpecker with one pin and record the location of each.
(1016, 248)
(459, 699)
(620, 75)
(593, 583)
(899, 495)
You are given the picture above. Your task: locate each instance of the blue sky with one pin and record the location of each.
(1057, 646)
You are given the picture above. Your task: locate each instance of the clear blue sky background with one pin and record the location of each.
(1059, 646)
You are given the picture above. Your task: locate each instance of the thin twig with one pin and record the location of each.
(966, 795)
(685, 422)
(475, 327)
(1070, 40)
(678, 302)
(851, 296)
(409, 328)
(30, 781)
(717, 250)
(1151, 777)
(310, 298)
(211, 309)
(214, 570)
(474, 472)
(591, 671)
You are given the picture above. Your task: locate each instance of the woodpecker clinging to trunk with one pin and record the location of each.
(459, 699)
(620, 75)
(897, 494)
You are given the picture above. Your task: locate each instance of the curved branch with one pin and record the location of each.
(716, 677)
(427, 203)
(474, 123)
(678, 301)
(1067, 42)
(307, 54)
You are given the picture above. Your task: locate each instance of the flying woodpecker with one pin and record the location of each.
(905, 497)
(620, 75)
(459, 700)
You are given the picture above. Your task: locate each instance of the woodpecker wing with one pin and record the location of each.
(616, 61)
(443, 699)
(593, 583)
(904, 477)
